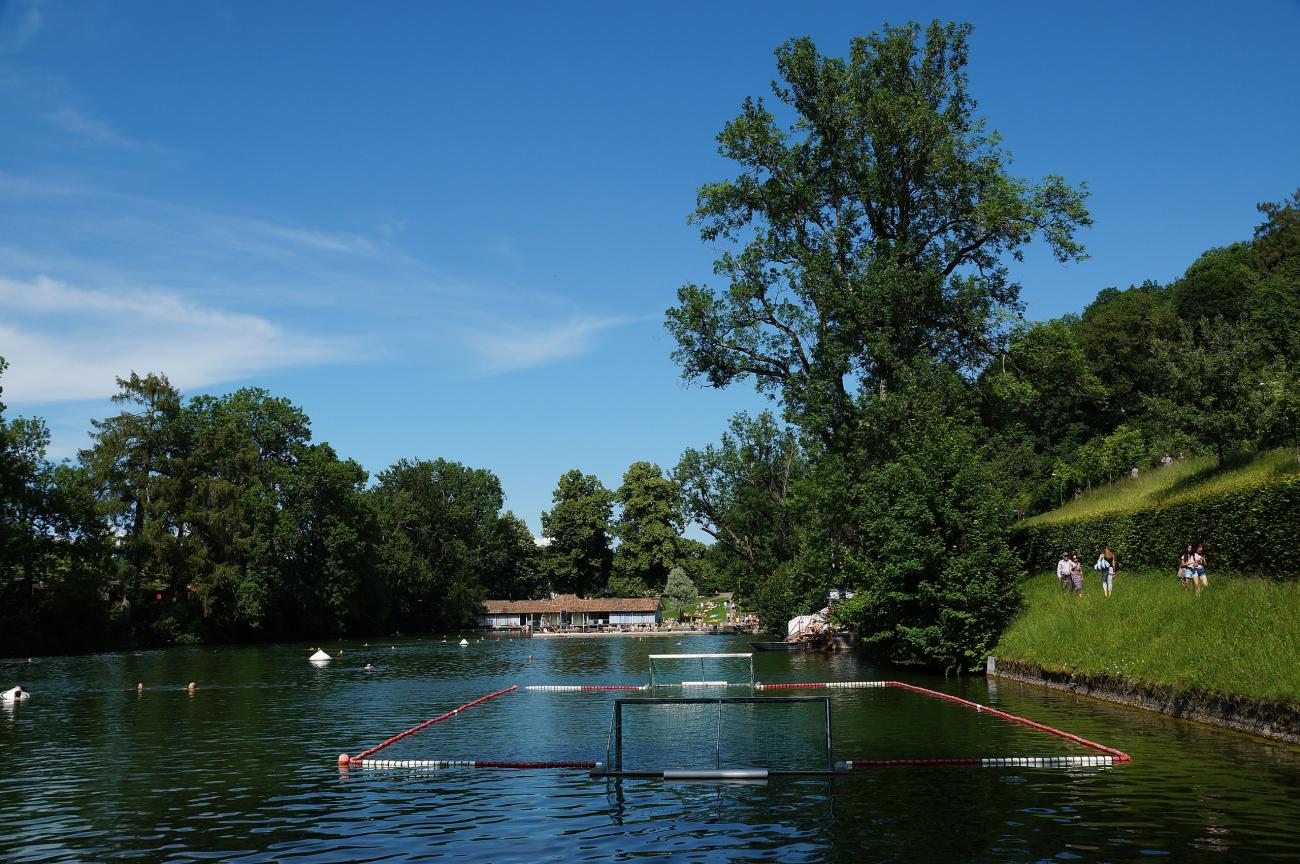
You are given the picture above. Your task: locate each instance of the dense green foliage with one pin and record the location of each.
(869, 230)
(578, 558)
(1240, 637)
(869, 233)
(648, 529)
(1246, 518)
(219, 519)
(866, 244)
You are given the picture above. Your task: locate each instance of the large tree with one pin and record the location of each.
(738, 492)
(867, 240)
(440, 522)
(577, 560)
(649, 526)
(137, 464)
(869, 227)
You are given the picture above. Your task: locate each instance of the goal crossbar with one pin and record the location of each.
(749, 657)
(696, 656)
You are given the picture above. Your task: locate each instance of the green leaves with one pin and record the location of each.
(649, 526)
(578, 558)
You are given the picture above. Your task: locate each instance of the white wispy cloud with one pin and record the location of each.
(506, 347)
(85, 126)
(74, 253)
(64, 342)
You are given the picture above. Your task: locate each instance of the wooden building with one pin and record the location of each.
(570, 612)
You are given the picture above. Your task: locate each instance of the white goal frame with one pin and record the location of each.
(702, 657)
(613, 767)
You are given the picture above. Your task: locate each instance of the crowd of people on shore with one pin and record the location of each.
(1191, 570)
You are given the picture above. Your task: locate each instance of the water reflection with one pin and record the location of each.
(244, 769)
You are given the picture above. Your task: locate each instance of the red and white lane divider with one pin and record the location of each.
(827, 685)
(583, 688)
(1116, 755)
(345, 760)
(471, 763)
(987, 762)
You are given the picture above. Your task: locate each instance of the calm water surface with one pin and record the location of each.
(245, 769)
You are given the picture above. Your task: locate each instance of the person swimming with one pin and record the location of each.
(17, 694)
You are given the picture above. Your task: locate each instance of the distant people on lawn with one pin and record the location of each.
(1106, 567)
(1076, 573)
(1063, 571)
(1166, 460)
(1202, 581)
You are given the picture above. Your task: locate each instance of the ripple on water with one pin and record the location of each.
(243, 770)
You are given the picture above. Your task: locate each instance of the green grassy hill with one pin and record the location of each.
(1241, 637)
(1245, 512)
(1180, 482)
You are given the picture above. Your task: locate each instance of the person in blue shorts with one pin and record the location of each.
(1186, 567)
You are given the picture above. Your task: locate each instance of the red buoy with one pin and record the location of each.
(344, 759)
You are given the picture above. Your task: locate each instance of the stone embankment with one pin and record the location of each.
(1275, 720)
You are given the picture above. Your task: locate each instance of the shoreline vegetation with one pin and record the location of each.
(1241, 637)
(1226, 657)
(868, 229)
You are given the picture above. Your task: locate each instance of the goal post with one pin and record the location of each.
(720, 737)
(701, 670)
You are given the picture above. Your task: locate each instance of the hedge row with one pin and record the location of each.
(1251, 531)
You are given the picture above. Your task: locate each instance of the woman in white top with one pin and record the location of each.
(1106, 566)
(1186, 568)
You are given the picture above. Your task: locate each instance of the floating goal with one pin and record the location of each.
(701, 670)
(719, 738)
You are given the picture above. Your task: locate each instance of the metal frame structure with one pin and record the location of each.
(614, 750)
(701, 657)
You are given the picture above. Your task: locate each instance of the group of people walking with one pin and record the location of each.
(1191, 570)
(1070, 571)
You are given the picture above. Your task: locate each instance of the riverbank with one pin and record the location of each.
(1226, 658)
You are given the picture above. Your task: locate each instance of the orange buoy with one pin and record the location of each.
(344, 759)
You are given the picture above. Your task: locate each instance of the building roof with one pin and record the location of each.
(572, 603)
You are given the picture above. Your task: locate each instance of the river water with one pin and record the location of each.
(245, 768)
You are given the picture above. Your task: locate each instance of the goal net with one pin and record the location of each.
(701, 670)
(775, 733)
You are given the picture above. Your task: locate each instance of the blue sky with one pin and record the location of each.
(452, 230)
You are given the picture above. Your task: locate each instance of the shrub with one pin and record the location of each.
(1250, 531)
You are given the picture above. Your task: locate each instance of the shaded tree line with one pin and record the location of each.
(218, 519)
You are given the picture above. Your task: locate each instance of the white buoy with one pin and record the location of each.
(17, 694)
(464, 642)
(320, 657)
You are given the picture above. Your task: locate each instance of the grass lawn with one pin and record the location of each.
(715, 615)
(1195, 478)
(1241, 637)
